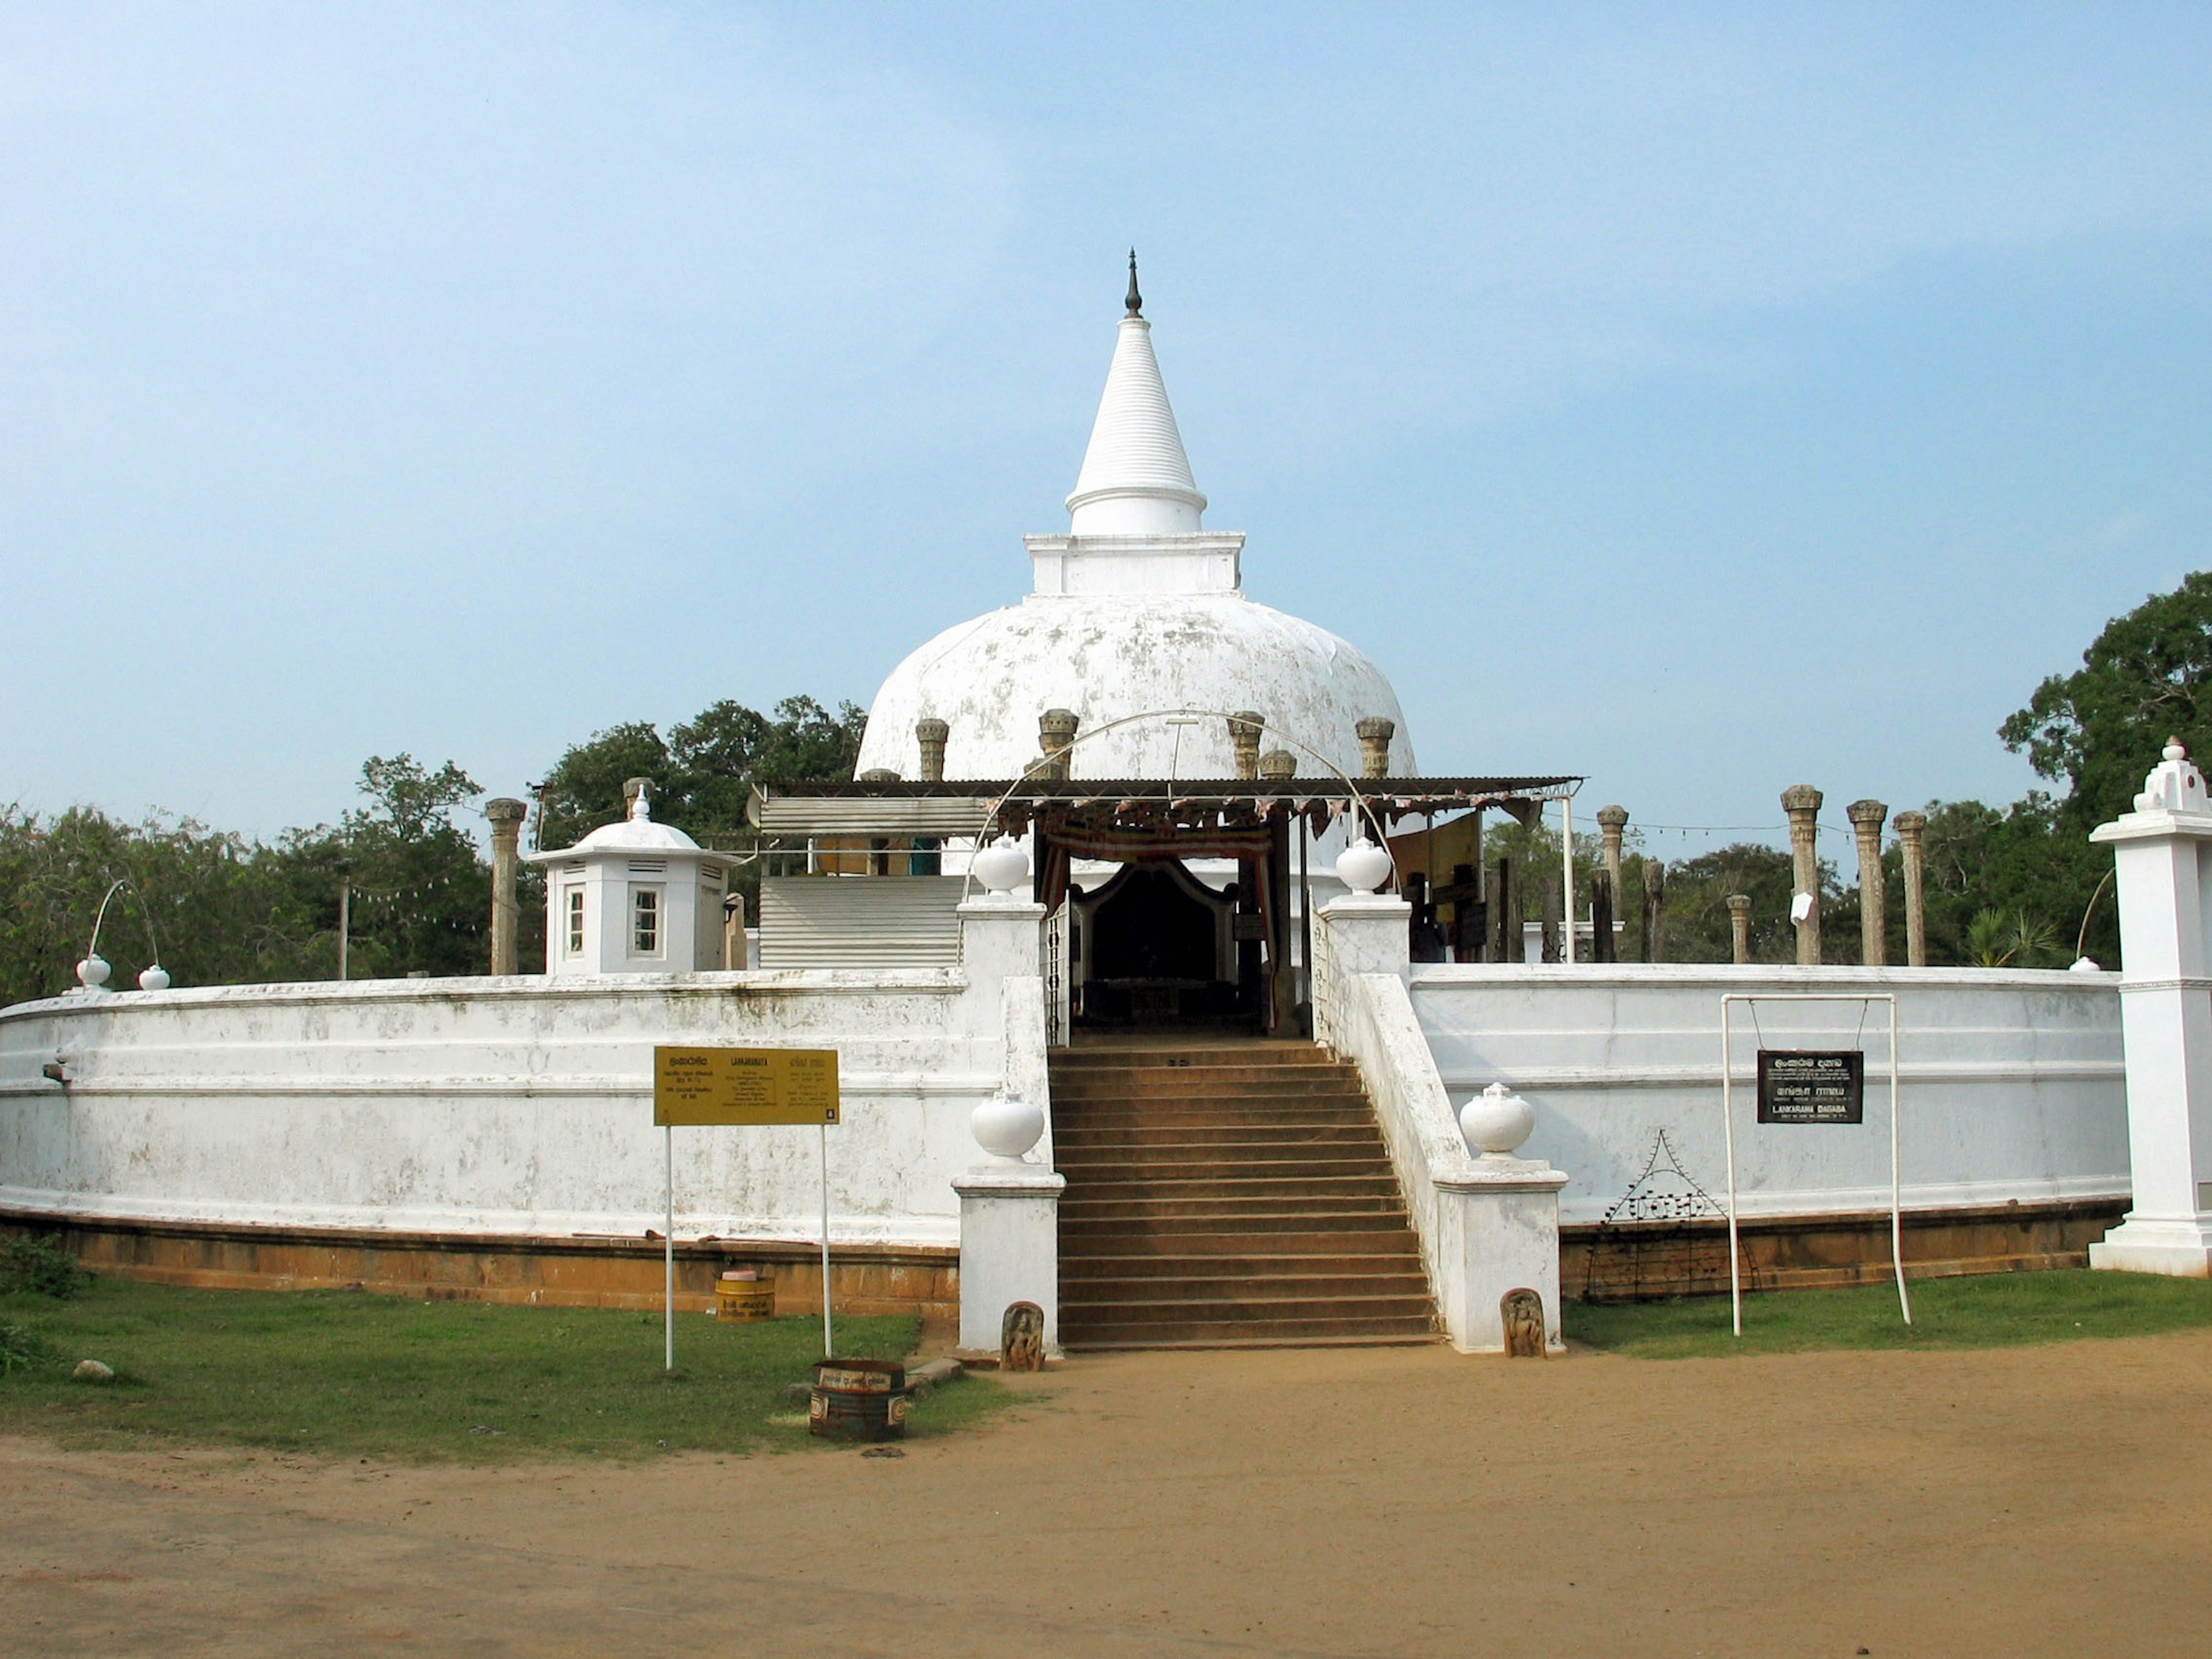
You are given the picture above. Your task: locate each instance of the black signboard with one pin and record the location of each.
(1799, 1085)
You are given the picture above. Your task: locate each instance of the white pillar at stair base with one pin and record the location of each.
(1497, 1231)
(1370, 934)
(2163, 857)
(1008, 1249)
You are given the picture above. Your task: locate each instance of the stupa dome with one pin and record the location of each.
(1137, 610)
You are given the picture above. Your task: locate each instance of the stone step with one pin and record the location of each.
(1152, 1165)
(1196, 1057)
(1352, 1238)
(1217, 1114)
(1234, 1186)
(1208, 1138)
(1247, 1340)
(1146, 1085)
(1281, 1331)
(1091, 1290)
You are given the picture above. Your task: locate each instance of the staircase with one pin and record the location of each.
(1234, 1193)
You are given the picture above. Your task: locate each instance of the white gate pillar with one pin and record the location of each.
(2163, 854)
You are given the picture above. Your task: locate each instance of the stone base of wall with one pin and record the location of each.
(1650, 1261)
(591, 1272)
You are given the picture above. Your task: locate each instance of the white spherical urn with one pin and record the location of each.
(1001, 866)
(1363, 867)
(1495, 1122)
(92, 972)
(155, 978)
(1007, 1128)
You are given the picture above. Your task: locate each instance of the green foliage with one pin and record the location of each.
(30, 1266)
(215, 909)
(1986, 1311)
(22, 1349)
(2028, 861)
(347, 1373)
(2143, 680)
(1699, 927)
(702, 772)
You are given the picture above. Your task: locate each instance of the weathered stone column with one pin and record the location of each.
(505, 815)
(931, 734)
(1801, 801)
(1278, 765)
(1055, 731)
(1244, 729)
(1655, 910)
(1375, 734)
(1739, 906)
(1866, 818)
(2162, 858)
(1612, 822)
(1909, 826)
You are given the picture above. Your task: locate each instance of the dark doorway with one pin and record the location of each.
(1156, 949)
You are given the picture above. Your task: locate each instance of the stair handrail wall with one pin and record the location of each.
(1370, 1021)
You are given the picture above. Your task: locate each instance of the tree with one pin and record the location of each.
(1699, 925)
(2148, 676)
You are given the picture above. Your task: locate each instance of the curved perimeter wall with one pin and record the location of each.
(2012, 1082)
(497, 1106)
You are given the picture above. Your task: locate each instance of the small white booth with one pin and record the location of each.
(633, 898)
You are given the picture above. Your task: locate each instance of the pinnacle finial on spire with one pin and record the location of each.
(1136, 301)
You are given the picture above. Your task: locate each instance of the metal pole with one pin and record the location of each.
(829, 1347)
(1567, 873)
(1896, 1212)
(668, 1248)
(345, 920)
(1728, 1133)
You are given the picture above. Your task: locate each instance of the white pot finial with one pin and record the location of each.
(1495, 1122)
(155, 978)
(1001, 866)
(92, 972)
(1007, 1128)
(1363, 867)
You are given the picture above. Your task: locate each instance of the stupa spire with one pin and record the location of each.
(1136, 480)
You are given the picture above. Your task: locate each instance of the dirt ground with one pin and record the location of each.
(2053, 1500)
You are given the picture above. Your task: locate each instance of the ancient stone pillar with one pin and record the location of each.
(1601, 940)
(1739, 906)
(506, 816)
(1375, 734)
(1866, 818)
(931, 736)
(1278, 765)
(1655, 910)
(1611, 821)
(1909, 826)
(1055, 732)
(1244, 729)
(1801, 801)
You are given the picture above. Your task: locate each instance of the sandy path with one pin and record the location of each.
(2053, 1500)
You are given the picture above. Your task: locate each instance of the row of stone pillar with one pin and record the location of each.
(1802, 803)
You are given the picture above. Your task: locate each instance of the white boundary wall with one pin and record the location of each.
(519, 1106)
(2014, 1083)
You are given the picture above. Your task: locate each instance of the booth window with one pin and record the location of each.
(575, 921)
(644, 922)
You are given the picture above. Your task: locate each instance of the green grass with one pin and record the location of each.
(342, 1373)
(1994, 1310)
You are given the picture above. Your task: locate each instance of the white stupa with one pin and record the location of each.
(1137, 608)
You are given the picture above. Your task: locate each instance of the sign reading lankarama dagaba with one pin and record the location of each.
(1802, 1086)
(694, 1087)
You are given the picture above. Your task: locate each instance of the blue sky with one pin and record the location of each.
(1702, 400)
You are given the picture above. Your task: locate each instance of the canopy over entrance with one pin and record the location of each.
(1155, 828)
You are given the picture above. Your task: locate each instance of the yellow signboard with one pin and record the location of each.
(699, 1086)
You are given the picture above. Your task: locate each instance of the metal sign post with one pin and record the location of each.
(1808, 1082)
(703, 1087)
